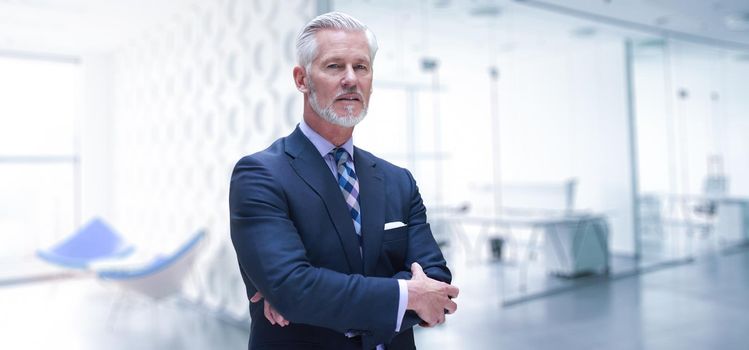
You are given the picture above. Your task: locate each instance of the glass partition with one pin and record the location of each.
(515, 124)
(691, 117)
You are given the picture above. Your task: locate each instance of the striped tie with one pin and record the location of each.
(349, 184)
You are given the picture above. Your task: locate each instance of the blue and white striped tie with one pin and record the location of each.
(349, 184)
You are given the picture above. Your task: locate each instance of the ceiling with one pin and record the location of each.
(75, 27)
(722, 22)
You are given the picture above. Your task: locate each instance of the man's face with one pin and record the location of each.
(340, 77)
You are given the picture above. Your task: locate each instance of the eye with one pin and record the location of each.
(333, 66)
(361, 67)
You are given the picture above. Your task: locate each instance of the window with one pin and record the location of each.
(38, 151)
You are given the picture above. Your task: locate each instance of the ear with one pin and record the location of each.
(300, 79)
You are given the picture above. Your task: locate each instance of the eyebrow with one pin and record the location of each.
(339, 58)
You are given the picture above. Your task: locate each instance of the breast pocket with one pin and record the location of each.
(395, 234)
(395, 246)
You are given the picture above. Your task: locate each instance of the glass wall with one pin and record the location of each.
(515, 119)
(691, 115)
(514, 122)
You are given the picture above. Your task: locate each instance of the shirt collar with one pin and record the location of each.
(321, 144)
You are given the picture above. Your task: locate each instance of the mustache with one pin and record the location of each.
(344, 93)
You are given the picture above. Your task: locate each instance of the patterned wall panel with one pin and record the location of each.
(207, 86)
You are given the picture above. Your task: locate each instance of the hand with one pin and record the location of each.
(270, 313)
(430, 298)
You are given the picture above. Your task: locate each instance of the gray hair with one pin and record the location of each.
(306, 44)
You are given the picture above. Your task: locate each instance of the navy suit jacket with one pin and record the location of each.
(296, 244)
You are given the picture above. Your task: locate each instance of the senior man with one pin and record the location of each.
(332, 239)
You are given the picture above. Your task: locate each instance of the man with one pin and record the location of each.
(334, 238)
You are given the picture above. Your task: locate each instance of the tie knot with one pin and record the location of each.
(340, 155)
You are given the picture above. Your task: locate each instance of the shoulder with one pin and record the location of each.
(389, 169)
(260, 168)
(267, 157)
(255, 176)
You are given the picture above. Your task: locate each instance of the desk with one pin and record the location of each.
(727, 217)
(732, 220)
(574, 244)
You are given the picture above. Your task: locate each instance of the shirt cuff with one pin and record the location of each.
(402, 303)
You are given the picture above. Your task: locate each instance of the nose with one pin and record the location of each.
(349, 77)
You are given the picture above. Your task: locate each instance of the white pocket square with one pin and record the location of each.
(394, 224)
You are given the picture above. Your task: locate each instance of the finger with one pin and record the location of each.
(435, 320)
(268, 316)
(417, 271)
(451, 307)
(452, 291)
(257, 297)
(441, 319)
(277, 317)
(280, 320)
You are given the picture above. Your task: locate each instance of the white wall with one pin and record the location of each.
(96, 138)
(193, 95)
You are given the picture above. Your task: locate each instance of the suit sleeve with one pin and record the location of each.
(273, 257)
(422, 249)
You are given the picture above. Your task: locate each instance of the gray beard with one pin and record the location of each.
(348, 120)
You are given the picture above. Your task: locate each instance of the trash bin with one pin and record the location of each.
(496, 246)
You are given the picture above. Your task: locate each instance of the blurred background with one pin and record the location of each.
(584, 163)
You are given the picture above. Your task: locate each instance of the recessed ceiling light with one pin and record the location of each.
(507, 47)
(584, 32)
(651, 43)
(744, 57)
(737, 21)
(661, 20)
(485, 10)
(440, 4)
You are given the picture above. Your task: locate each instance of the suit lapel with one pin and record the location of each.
(372, 202)
(308, 164)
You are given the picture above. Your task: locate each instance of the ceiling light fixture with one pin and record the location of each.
(485, 10)
(661, 20)
(737, 21)
(440, 4)
(584, 32)
(652, 43)
(744, 57)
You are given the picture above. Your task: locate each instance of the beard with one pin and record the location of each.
(347, 120)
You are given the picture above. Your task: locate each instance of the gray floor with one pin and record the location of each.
(701, 305)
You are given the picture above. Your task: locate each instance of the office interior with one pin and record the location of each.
(584, 164)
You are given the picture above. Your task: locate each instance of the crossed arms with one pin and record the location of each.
(273, 258)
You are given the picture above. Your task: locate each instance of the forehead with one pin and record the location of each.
(341, 44)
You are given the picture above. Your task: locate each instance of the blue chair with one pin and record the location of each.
(93, 242)
(158, 276)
